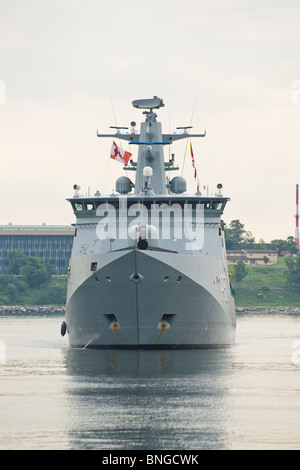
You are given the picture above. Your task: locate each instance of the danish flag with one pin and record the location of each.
(119, 154)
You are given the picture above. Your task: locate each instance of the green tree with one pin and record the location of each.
(18, 260)
(237, 237)
(11, 289)
(239, 271)
(50, 295)
(293, 273)
(36, 273)
(12, 293)
(32, 269)
(237, 231)
(280, 245)
(261, 244)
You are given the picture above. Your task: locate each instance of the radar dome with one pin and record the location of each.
(178, 185)
(123, 185)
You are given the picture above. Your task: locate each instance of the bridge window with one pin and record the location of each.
(217, 205)
(89, 206)
(78, 206)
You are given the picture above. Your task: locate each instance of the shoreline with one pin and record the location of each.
(32, 309)
(271, 310)
(56, 309)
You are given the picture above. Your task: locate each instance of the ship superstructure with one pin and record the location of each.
(148, 267)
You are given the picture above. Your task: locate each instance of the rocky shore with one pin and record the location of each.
(266, 310)
(31, 309)
(60, 310)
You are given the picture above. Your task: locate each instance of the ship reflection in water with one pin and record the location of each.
(243, 397)
(148, 399)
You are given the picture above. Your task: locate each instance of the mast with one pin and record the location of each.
(151, 142)
(150, 152)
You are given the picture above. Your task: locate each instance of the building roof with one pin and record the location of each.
(36, 230)
(256, 250)
(252, 250)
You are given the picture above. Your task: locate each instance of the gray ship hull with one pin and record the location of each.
(151, 299)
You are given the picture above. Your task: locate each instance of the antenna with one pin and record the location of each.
(189, 127)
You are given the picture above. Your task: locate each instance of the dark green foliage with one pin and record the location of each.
(31, 283)
(284, 245)
(51, 295)
(238, 238)
(293, 273)
(266, 285)
(18, 260)
(36, 273)
(11, 289)
(239, 271)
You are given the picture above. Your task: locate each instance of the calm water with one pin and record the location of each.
(246, 397)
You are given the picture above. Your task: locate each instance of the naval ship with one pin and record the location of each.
(148, 268)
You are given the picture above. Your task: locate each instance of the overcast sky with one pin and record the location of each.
(71, 67)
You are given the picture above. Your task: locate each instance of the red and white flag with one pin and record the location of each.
(193, 162)
(119, 154)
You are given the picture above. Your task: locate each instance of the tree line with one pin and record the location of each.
(238, 238)
(30, 281)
